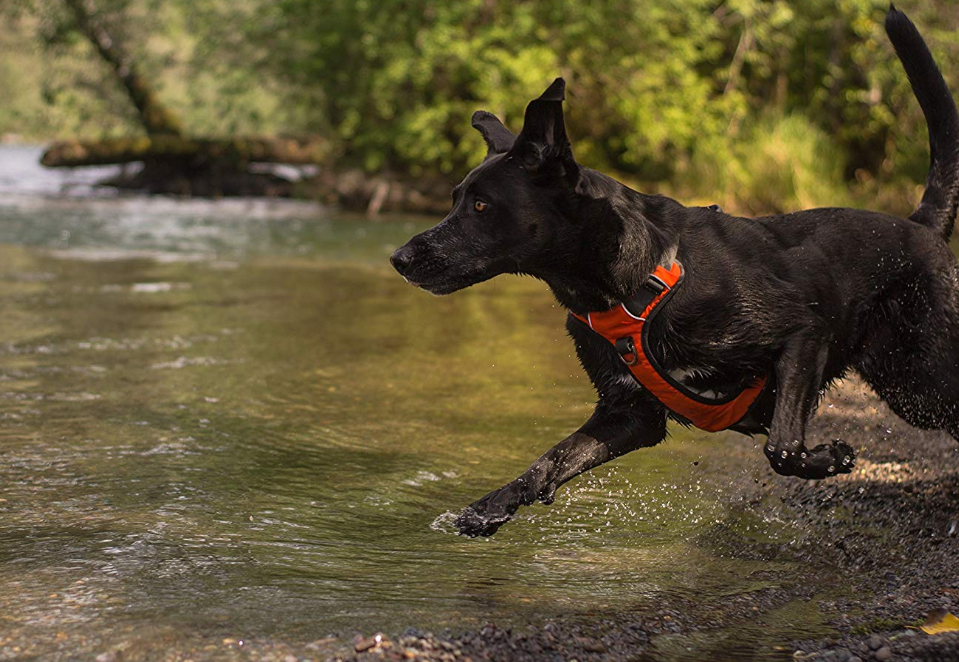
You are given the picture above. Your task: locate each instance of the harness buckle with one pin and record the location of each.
(655, 285)
(624, 346)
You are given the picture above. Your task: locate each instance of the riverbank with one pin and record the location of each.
(354, 190)
(888, 530)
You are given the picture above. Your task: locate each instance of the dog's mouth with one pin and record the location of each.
(447, 282)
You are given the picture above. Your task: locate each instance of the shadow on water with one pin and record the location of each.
(241, 423)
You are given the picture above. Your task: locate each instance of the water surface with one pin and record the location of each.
(231, 419)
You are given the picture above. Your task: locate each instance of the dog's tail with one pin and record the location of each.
(938, 207)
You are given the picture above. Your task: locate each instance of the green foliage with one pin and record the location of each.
(54, 91)
(765, 104)
(781, 163)
(652, 84)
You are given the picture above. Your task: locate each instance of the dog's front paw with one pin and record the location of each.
(473, 524)
(484, 517)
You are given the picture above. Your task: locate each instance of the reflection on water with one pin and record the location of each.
(241, 423)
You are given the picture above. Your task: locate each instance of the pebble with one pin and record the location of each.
(883, 654)
(854, 658)
(106, 657)
(592, 645)
(365, 644)
(874, 641)
(316, 645)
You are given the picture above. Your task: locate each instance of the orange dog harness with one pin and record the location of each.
(627, 322)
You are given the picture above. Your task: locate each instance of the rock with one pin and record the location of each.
(854, 658)
(365, 644)
(106, 657)
(592, 645)
(874, 642)
(884, 653)
(842, 654)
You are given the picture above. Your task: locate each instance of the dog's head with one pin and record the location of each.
(508, 213)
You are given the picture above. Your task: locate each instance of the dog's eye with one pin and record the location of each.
(480, 206)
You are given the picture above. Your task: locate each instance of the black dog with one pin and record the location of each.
(797, 300)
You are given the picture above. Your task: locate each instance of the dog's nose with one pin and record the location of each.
(402, 258)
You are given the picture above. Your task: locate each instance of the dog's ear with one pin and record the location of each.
(498, 138)
(542, 146)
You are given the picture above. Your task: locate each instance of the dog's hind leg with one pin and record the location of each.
(799, 374)
(608, 434)
(912, 362)
(924, 393)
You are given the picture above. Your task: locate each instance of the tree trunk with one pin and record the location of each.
(156, 119)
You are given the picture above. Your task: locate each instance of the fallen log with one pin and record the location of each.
(235, 152)
(188, 166)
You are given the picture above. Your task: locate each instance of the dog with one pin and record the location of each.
(726, 322)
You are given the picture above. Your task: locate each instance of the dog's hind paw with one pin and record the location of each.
(846, 456)
(823, 461)
(470, 523)
(837, 458)
(826, 460)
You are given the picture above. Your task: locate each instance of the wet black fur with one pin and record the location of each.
(803, 298)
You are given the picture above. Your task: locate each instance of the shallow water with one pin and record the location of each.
(233, 420)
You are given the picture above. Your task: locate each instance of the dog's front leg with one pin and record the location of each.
(799, 373)
(607, 435)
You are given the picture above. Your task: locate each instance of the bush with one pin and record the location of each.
(776, 165)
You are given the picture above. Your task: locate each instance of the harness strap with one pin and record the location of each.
(626, 327)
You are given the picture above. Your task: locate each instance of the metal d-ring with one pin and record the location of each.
(624, 346)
